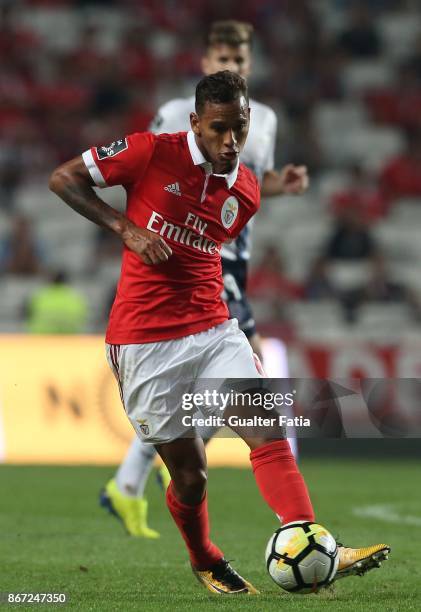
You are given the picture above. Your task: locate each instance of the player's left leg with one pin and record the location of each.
(149, 375)
(187, 502)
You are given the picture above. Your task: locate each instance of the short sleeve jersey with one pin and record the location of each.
(258, 153)
(172, 192)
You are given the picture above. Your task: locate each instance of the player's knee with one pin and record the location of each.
(195, 480)
(191, 484)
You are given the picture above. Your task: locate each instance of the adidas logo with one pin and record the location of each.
(173, 188)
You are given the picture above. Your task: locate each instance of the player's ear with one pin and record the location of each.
(194, 123)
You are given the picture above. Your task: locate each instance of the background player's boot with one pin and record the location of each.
(163, 477)
(222, 579)
(358, 561)
(132, 511)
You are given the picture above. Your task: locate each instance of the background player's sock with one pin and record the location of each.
(294, 447)
(193, 523)
(133, 473)
(280, 482)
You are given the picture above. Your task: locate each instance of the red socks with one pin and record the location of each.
(193, 523)
(280, 482)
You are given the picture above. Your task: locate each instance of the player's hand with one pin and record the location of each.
(294, 179)
(150, 247)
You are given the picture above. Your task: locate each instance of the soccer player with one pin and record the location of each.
(169, 323)
(229, 45)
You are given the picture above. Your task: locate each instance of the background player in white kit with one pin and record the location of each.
(228, 47)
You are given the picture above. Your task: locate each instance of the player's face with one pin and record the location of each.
(224, 57)
(221, 131)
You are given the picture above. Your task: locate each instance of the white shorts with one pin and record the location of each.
(152, 376)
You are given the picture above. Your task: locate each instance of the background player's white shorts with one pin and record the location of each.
(152, 376)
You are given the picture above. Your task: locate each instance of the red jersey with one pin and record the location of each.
(171, 191)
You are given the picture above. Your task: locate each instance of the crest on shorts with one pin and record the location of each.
(229, 212)
(143, 426)
(112, 149)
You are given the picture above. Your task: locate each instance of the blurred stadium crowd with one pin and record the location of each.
(345, 81)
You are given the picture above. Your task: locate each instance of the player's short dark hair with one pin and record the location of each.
(229, 32)
(220, 88)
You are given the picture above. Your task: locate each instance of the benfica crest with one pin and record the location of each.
(143, 426)
(229, 212)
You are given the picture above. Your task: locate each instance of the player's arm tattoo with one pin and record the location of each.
(73, 184)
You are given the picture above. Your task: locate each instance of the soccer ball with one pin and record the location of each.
(301, 557)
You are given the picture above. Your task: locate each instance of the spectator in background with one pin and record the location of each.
(10, 176)
(57, 308)
(399, 104)
(87, 57)
(350, 242)
(351, 239)
(401, 177)
(360, 39)
(318, 285)
(110, 91)
(20, 253)
(302, 146)
(383, 289)
(362, 194)
(414, 59)
(136, 58)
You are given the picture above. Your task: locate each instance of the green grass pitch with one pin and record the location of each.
(54, 537)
